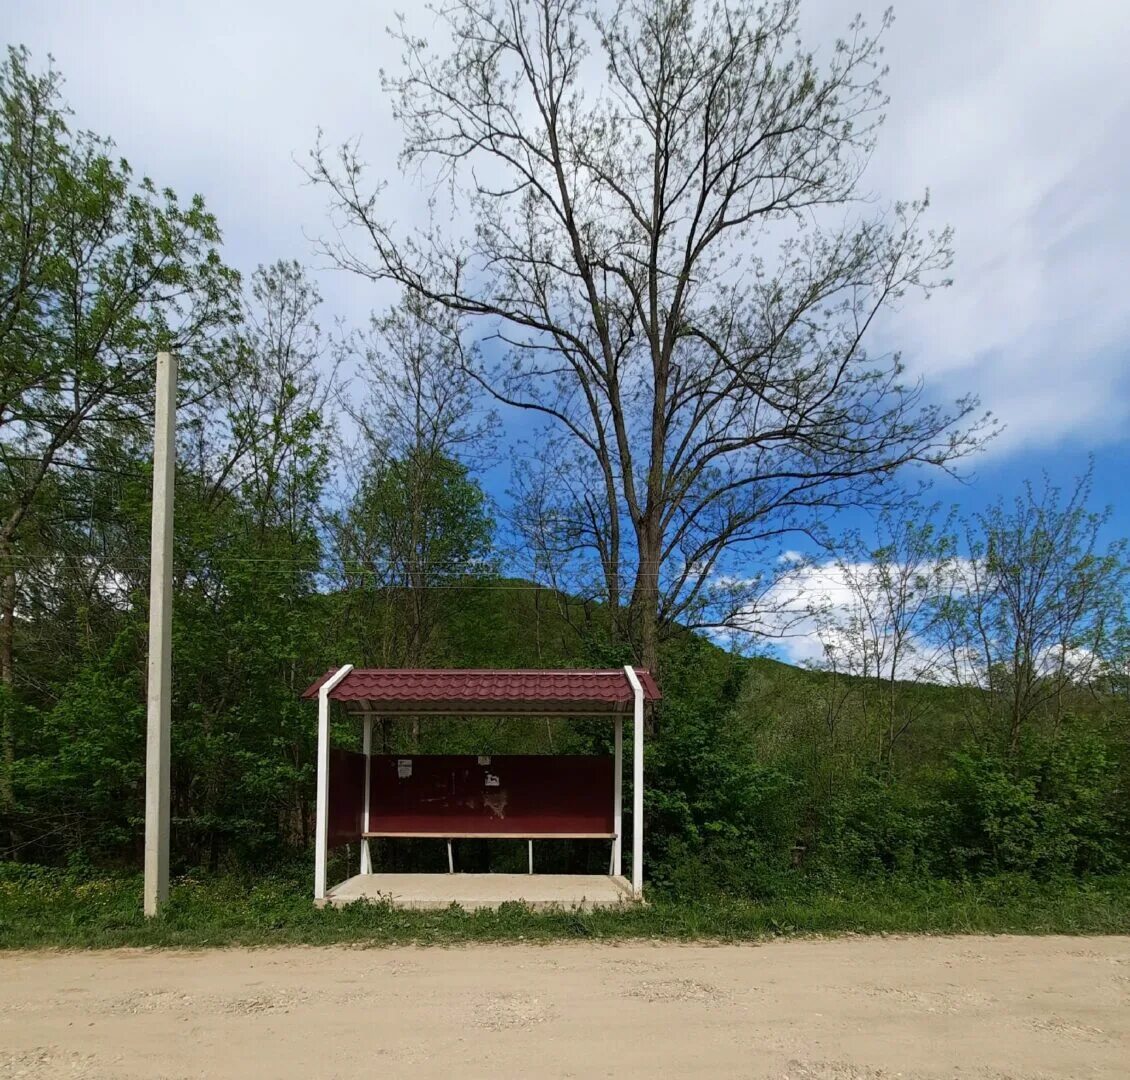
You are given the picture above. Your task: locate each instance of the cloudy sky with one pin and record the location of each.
(1014, 113)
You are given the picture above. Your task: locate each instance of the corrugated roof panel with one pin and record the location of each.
(485, 690)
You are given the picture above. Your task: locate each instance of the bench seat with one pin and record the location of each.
(444, 835)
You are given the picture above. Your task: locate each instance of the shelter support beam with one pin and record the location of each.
(637, 781)
(322, 803)
(367, 749)
(618, 798)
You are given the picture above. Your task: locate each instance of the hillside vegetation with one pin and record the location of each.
(758, 773)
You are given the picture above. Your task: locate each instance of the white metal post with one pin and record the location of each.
(618, 799)
(637, 782)
(322, 810)
(366, 746)
(159, 689)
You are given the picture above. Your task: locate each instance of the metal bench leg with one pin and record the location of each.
(450, 859)
(531, 843)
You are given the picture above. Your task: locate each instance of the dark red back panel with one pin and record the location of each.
(534, 793)
(347, 796)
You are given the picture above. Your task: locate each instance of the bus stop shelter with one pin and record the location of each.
(363, 796)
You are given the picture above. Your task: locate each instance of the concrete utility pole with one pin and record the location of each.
(160, 639)
(637, 779)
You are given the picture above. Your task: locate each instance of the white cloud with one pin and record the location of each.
(820, 612)
(1014, 115)
(795, 613)
(834, 613)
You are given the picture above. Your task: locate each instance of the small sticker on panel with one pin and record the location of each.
(491, 780)
(484, 759)
(404, 767)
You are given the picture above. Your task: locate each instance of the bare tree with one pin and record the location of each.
(663, 255)
(1033, 608)
(263, 433)
(561, 530)
(1114, 670)
(418, 399)
(416, 520)
(884, 624)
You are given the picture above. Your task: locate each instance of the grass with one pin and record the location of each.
(48, 908)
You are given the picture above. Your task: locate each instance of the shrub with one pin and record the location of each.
(878, 827)
(718, 820)
(1050, 812)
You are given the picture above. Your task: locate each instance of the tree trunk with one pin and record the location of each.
(645, 614)
(648, 627)
(7, 680)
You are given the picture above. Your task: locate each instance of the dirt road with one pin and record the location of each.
(864, 1007)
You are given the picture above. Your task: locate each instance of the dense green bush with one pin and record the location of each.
(89, 775)
(1054, 812)
(1051, 812)
(718, 819)
(874, 826)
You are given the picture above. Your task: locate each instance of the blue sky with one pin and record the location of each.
(1014, 114)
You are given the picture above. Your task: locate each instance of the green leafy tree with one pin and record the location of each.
(247, 635)
(98, 271)
(416, 527)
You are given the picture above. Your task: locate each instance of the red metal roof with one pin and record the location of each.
(462, 690)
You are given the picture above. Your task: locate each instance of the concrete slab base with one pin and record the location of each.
(432, 892)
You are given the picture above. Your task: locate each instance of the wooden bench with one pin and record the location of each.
(449, 836)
